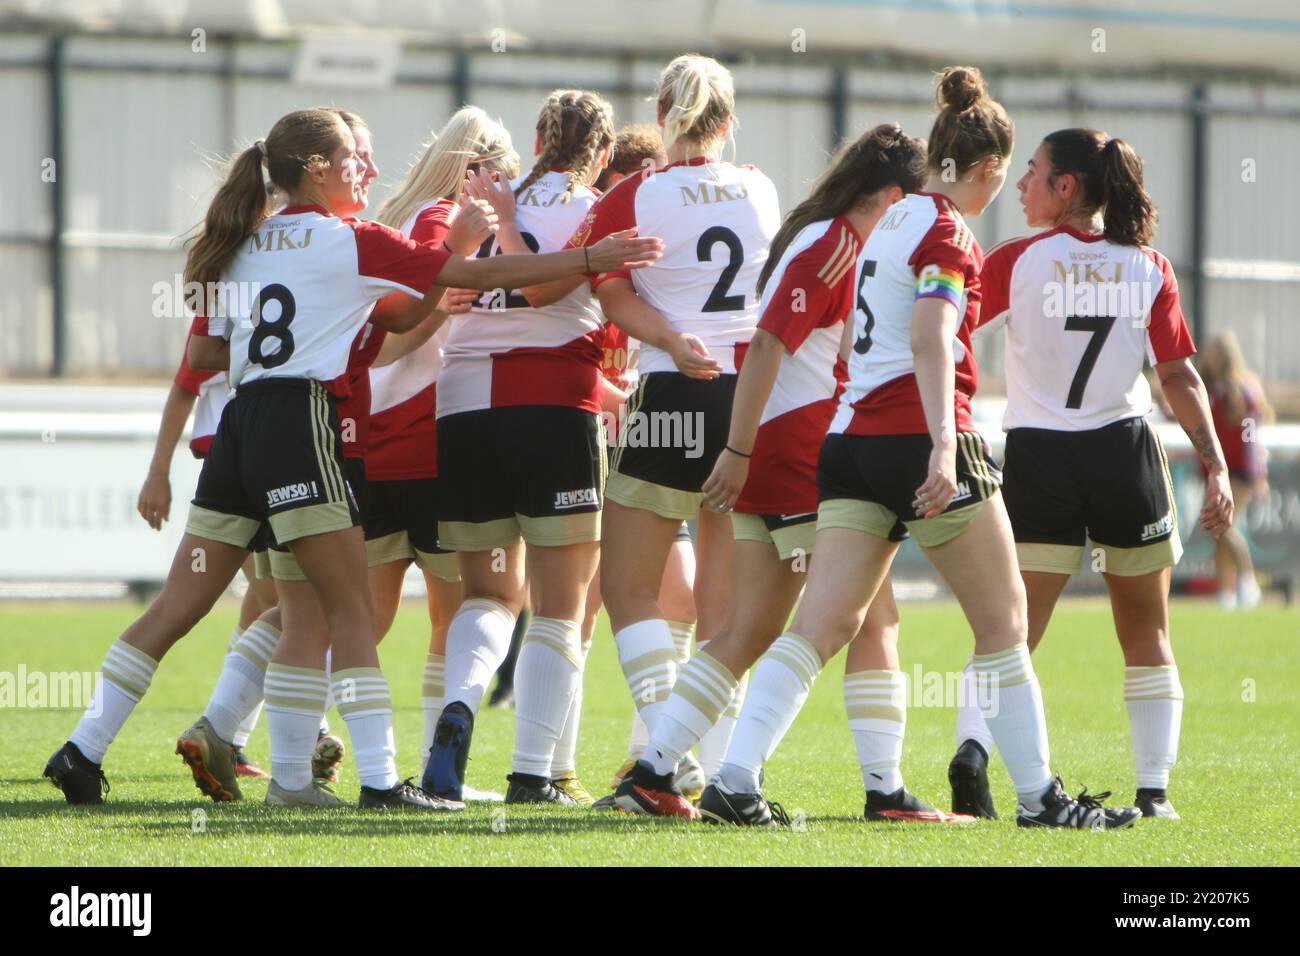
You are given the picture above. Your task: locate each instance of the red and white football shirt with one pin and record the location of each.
(314, 277)
(716, 220)
(404, 394)
(804, 304)
(505, 352)
(1082, 314)
(212, 392)
(921, 248)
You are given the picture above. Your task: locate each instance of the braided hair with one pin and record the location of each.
(574, 127)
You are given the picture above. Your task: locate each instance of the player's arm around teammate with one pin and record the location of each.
(766, 475)
(237, 487)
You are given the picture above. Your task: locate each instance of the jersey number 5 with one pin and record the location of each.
(863, 345)
(719, 300)
(268, 329)
(1099, 326)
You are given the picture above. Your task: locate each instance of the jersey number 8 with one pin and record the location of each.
(267, 329)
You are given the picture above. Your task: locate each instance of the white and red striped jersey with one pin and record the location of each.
(1082, 315)
(212, 392)
(804, 304)
(716, 220)
(505, 352)
(404, 394)
(921, 248)
(305, 283)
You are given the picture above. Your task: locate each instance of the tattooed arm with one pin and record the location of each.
(1186, 396)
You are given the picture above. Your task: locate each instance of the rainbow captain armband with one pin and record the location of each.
(936, 282)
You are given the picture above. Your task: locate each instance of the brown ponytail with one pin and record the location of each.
(1130, 215)
(574, 127)
(881, 157)
(1109, 174)
(971, 125)
(296, 142)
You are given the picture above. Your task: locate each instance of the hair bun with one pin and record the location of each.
(960, 88)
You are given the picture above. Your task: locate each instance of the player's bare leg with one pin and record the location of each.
(201, 571)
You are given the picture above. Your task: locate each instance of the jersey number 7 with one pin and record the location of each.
(1099, 326)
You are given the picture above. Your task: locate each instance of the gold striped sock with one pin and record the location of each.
(797, 654)
(360, 691)
(1152, 683)
(129, 669)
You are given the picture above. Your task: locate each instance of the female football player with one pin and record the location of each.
(402, 463)
(694, 317)
(276, 456)
(766, 475)
(522, 458)
(901, 448)
(238, 695)
(1085, 304)
(1239, 407)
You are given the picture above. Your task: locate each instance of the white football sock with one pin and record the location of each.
(1154, 698)
(714, 743)
(126, 675)
(1012, 706)
(239, 688)
(432, 700)
(649, 660)
(702, 692)
(295, 700)
(970, 722)
(234, 638)
(565, 760)
(637, 738)
(478, 640)
(683, 633)
(329, 694)
(547, 675)
(777, 692)
(361, 695)
(876, 704)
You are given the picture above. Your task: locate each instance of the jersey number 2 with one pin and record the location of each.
(1099, 326)
(719, 300)
(278, 330)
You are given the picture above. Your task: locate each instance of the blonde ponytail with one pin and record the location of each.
(696, 100)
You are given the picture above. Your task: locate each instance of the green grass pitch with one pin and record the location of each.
(1234, 784)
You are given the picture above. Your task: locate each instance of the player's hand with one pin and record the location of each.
(1216, 516)
(692, 358)
(726, 481)
(492, 189)
(459, 301)
(155, 501)
(623, 250)
(474, 221)
(940, 482)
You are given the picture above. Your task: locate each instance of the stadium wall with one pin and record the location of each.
(140, 121)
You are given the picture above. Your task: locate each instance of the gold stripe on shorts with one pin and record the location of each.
(633, 406)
